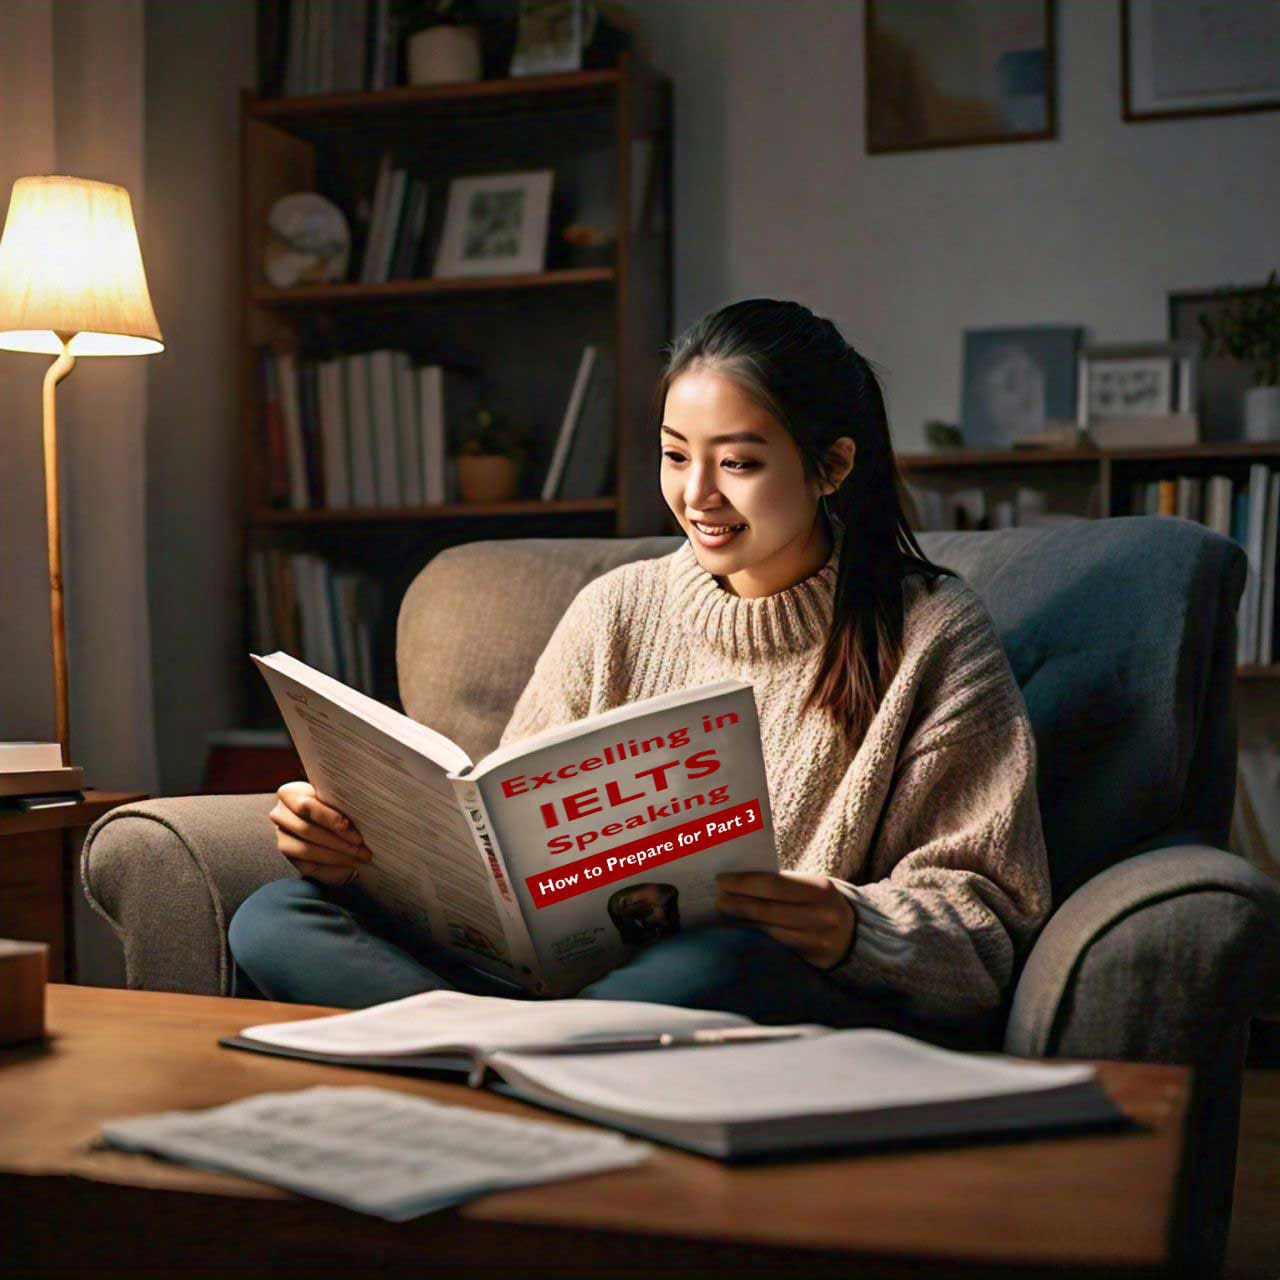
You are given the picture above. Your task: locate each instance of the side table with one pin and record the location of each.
(39, 852)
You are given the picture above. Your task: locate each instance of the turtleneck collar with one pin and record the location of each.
(743, 628)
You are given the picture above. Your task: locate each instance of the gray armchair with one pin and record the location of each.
(1121, 633)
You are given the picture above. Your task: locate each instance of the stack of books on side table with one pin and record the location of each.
(32, 776)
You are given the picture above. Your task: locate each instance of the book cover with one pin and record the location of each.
(275, 448)
(333, 436)
(386, 430)
(550, 860)
(560, 454)
(287, 379)
(407, 429)
(364, 477)
(312, 445)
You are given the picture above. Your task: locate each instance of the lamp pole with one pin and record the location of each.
(55, 373)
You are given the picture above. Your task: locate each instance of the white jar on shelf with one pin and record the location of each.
(443, 54)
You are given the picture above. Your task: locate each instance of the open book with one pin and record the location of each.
(715, 1083)
(552, 859)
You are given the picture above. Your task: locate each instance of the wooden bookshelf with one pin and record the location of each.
(1088, 477)
(523, 333)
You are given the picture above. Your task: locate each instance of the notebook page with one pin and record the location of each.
(846, 1071)
(453, 1022)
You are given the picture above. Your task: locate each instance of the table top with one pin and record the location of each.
(84, 814)
(1099, 1199)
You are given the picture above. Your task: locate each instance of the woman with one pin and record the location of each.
(900, 759)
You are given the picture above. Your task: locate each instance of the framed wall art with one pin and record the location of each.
(1017, 382)
(1198, 57)
(952, 73)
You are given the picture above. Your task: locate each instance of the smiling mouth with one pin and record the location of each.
(713, 529)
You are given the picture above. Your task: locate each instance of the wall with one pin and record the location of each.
(71, 98)
(199, 54)
(776, 197)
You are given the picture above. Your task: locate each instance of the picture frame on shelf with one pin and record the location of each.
(1017, 381)
(1222, 379)
(1139, 395)
(550, 35)
(1213, 57)
(496, 224)
(952, 74)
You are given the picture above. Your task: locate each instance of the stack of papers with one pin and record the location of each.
(375, 1150)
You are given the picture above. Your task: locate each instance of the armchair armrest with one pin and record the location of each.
(168, 875)
(1152, 959)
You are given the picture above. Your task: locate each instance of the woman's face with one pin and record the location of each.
(727, 461)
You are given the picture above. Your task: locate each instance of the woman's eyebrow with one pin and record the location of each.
(732, 437)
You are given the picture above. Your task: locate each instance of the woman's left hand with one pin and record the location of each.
(804, 912)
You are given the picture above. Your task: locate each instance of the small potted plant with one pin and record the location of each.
(1249, 330)
(442, 41)
(490, 455)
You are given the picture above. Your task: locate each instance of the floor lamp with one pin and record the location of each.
(71, 284)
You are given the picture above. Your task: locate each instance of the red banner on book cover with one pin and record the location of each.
(627, 860)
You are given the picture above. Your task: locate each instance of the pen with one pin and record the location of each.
(656, 1040)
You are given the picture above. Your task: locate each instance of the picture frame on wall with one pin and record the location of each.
(1223, 380)
(496, 224)
(1139, 395)
(550, 35)
(1017, 382)
(949, 73)
(1198, 58)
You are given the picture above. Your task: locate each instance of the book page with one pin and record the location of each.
(846, 1071)
(391, 779)
(613, 830)
(453, 1022)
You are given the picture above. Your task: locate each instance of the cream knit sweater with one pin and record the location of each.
(930, 825)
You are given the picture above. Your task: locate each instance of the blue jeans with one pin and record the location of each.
(302, 942)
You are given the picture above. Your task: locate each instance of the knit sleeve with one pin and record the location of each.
(564, 680)
(964, 876)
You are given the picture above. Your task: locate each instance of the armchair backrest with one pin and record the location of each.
(1120, 633)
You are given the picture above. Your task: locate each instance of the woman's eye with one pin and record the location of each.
(731, 464)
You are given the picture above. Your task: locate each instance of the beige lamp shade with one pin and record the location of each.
(70, 265)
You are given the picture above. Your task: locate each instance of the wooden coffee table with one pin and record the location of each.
(1096, 1204)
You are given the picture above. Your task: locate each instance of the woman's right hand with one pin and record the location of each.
(318, 839)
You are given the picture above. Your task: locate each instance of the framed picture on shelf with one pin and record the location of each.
(1198, 57)
(1017, 382)
(496, 224)
(951, 73)
(1223, 380)
(1139, 395)
(550, 35)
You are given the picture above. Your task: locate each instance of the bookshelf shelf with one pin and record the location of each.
(440, 511)
(1100, 483)
(506, 95)
(420, 290)
(516, 339)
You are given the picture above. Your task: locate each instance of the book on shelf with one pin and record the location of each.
(301, 602)
(21, 755)
(711, 1082)
(17, 783)
(362, 448)
(408, 425)
(291, 413)
(568, 424)
(591, 452)
(550, 860)
(325, 46)
(333, 435)
(446, 395)
(386, 430)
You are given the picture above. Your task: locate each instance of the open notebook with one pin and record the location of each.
(797, 1088)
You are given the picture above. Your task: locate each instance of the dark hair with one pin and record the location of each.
(799, 367)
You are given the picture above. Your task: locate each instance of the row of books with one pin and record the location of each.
(32, 776)
(334, 46)
(300, 603)
(397, 227)
(368, 430)
(973, 508)
(1246, 509)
